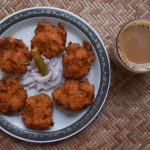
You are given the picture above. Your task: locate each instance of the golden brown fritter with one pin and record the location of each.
(14, 55)
(77, 61)
(12, 95)
(49, 39)
(74, 95)
(37, 113)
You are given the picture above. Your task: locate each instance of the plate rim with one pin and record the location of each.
(109, 75)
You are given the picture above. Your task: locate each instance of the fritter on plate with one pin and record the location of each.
(77, 61)
(37, 113)
(49, 39)
(12, 95)
(14, 55)
(74, 95)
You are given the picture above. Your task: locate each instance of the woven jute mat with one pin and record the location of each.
(124, 121)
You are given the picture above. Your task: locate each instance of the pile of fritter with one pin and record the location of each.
(74, 94)
(37, 113)
(77, 61)
(49, 39)
(14, 55)
(12, 95)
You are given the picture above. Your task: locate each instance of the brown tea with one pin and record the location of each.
(133, 44)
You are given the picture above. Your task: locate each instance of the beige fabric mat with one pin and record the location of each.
(124, 121)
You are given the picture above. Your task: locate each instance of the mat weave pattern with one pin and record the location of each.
(124, 121)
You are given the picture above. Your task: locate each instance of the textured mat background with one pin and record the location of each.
(124, 122)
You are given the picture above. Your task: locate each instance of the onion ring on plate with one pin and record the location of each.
(33, 85)
(33, 79)
(40, 86)
(42, 79)
(53, 61)
(54, 75)
(34, 70)
(57, 81)
(46, 62)
(28, 81)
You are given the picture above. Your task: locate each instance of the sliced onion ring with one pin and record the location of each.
(46, 61)
(28, 81)
(55, 75)
(33, 79)
(56, 82)
(41, 79)
(53, 61)
(33, 85)
(35, 70)
(40, 86)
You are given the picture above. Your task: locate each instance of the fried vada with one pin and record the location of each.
(12, 95)
(14, 55)
(49, 39)
(77, 60)
(74, 95)
(37, 113)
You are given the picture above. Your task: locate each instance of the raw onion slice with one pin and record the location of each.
(35, 70)
(46, 61)
(40, 86)
(33, 85)
(56, 82)
(33, 79)
(55, 75)
(42, 79)
(28, 81)
(53, 61)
